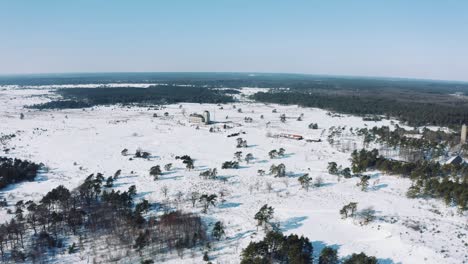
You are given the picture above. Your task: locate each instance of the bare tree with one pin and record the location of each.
(194, 196)
(164, 190)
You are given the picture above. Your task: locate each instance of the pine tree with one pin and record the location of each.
(264, 215)
(218, 231)
(328, 256)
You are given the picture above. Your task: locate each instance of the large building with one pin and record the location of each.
(200, 119)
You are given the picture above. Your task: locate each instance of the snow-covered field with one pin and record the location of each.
(76, 143)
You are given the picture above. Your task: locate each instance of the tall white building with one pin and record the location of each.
(463, 134)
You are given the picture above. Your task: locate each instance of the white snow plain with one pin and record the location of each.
(76, 143)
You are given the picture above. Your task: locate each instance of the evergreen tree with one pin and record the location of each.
(218, 230)
(360, 258)
(328, 256)
(264, 215)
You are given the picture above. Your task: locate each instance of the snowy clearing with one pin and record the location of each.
(76, 143)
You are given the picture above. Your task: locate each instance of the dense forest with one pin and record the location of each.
(16, 170)
(160, 94)
(419, 110)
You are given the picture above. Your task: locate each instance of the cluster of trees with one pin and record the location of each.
(430, 143)
(94, 212)
(276, 153)
(313, 126)
(139, 153)
(159, 94)
(155, 171)
(230, 165)
(365, 216)
(336, 170)
(306, 181)
(248, 157)
(430, 179)
(209, 174)
(279, 248)
(17, 170)
(241, 143)
(187, 160)
(264, 216)
(278, 170)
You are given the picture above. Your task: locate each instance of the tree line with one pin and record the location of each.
(159, 94)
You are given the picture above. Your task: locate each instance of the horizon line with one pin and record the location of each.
(239, 72)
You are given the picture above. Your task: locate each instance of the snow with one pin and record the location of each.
(76, 143)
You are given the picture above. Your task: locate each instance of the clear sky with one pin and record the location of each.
(393, 38)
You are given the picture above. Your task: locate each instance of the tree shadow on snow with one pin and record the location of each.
(120, 184)
(229, 205)
(170, 178)
(292, 223)
(326, 184)
(39, 178)
(378, 187)
(285, 156)
(127, 176)
(142, 194)
(241, 235)
(294, 175)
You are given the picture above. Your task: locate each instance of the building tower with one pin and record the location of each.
(463, 134)
(206, 116)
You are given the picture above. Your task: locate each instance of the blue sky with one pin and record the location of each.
(397, 38)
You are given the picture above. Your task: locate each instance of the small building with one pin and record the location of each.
(291, 136)
(455, 160)
(200, 119)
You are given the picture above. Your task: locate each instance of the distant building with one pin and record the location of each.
(291, 136)
(455, 160)
(200, 119)
(463, 134)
